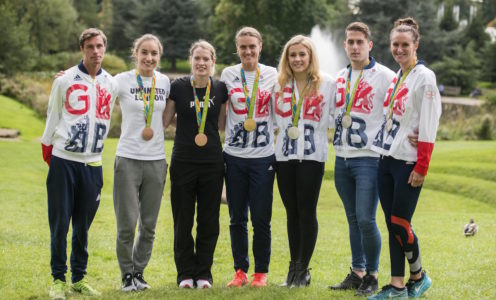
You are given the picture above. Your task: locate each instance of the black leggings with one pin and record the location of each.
(299, 185)
(398, 201)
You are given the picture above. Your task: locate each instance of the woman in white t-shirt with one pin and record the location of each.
(140, 167)
(302, 104)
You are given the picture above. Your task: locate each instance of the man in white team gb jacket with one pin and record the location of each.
(77, 124)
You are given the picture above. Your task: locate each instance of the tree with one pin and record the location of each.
(54, 25)
(87, 12)
(488, 10)
(475, 31)
(380, 15)
(489, 70)
(277, 21)
(15, 49)
(448, 22)
(462, 69)
(175, 22)
(125, 26)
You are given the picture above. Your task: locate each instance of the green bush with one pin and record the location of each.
(64, 60)
(26, 90)
(114, 64)
(58, 61)
(182, 66)
(115, 122)
(485, 130)
(491, 99)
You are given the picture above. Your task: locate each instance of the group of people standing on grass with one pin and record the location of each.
(276, 124)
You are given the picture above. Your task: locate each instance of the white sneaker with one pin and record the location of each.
(128, 283)
(140, 282)
(203, 284)
(186, 284)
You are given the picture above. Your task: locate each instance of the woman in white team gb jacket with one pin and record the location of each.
(301, 103)
(413, 104)
(140, 167)
(249, 156)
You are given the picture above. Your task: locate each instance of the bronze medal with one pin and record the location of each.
(389, 125)
(201, 139)
(147, 133)
(249, 124)
(293, 132)
(346, 121)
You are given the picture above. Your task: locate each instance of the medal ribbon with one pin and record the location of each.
(250, 101)
(297, 107)
(351, 97)
(201, 117)
(398, 84)
(148, 98)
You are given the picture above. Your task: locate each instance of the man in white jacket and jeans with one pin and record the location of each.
(78, 121)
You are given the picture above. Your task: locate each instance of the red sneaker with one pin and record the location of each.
(239, 279)
(259, 280)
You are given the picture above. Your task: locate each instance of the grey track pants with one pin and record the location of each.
(138, 191)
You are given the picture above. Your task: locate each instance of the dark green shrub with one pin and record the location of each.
(114, 64)
(485, 130)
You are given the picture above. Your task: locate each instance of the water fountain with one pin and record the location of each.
(331, 53)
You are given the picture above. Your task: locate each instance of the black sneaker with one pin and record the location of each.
(351, 282)
(140, 282)
(128, 283)
(368, 287)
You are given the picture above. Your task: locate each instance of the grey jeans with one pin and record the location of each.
(138, 191)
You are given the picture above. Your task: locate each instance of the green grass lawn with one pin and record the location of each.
(461, 185)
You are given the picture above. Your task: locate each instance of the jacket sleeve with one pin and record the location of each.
(430, 112)
(332, 104)
(54, 112)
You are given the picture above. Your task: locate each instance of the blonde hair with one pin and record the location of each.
(407, 25)
(139, 41)
(207, 46)
(89, 33)
(285, 71)
(248, 31)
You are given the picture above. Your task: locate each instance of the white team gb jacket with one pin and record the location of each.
(312, 143)
(366, 112)
(238, 141)
(417, 105)
(78, 117)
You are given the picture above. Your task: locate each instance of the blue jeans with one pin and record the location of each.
(356, 184)
(249, 185)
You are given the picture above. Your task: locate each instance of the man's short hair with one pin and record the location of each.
(89, 33)
(360, 27)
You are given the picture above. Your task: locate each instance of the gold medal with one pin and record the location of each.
(147, 133)
(249, 124)
(293, 132)
(389, 125)
(201, 139)
(346, 121)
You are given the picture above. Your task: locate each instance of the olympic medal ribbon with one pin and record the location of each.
(201, 116)
(398, 84)
(249, 123)
(296, 107)
(148, 103)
